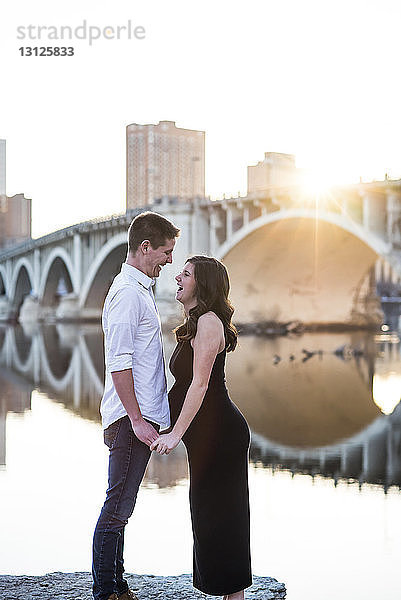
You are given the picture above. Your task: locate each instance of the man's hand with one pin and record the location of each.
(165, 443)
(144, 431)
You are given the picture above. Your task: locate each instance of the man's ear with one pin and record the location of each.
(145, 246)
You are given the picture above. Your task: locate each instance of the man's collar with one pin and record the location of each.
(137, 275)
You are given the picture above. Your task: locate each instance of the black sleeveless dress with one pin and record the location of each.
(217, 443)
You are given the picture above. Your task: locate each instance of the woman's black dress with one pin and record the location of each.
(217, 443)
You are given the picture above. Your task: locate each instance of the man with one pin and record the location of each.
(134, 405)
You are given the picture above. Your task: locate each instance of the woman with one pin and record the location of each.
(213, 430)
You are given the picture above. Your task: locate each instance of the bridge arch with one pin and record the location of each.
(21, 349)
(21, 285)
(93, 361)
(102, 272)
(376, 243)
(57, 360)
(3, 282)
(58, 276)
(302, 265)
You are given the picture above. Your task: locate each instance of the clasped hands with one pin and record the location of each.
(165, 443)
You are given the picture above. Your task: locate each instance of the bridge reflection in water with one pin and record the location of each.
(321, 404)
(316, 411)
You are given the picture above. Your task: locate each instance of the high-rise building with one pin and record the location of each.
(2, 167)
(15, 212)
(164, 160)
(276, 170)
(15, 220)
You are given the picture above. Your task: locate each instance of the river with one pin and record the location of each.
(325, 461)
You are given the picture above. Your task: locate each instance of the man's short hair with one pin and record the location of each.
(153, 227)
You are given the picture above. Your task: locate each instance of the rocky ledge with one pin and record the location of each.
(77, 586)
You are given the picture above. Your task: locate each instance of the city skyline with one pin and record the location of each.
(316, 80)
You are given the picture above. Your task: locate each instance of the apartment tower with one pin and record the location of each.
(164, 160)
(275, 171)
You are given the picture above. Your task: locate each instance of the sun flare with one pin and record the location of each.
(387, 391)
(316, 182)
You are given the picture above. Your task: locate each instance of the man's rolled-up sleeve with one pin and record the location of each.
(123, 319)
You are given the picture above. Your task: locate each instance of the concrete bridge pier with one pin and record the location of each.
(5, 309)
(374, 457)
(65, 309)
(194, 239)
(393, 468)
(351, 461)
(394, 220)
(375, 212)
(30, 310)
(68, 308)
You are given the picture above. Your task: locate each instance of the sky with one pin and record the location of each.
(314, 78)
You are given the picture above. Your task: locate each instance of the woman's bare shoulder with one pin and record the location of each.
(210, 330)
(210, 320)
(210, 326)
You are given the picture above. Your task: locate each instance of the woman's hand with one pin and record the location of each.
(165, 443)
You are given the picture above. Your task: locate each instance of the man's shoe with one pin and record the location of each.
(128, 596)
(113, 597)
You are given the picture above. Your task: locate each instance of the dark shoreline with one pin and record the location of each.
(274, 328)
(77, 586)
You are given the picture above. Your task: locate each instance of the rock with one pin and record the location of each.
(77, 586)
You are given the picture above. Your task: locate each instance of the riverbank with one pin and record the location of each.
(275, 328)
(77, 586)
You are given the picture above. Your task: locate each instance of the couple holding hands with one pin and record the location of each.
(136, 409)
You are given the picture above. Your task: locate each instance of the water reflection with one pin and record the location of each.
(318, 404)
(299, 403)
(15, 396)
(65, 362)
(313, 410)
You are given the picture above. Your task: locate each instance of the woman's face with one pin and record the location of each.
(186, 284)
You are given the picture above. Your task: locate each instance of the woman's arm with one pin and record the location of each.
(208, 340)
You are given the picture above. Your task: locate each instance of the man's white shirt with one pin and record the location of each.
(132, 340)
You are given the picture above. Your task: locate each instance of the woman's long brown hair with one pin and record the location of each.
(212, 287)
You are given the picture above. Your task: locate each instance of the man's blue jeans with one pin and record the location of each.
(127, 464)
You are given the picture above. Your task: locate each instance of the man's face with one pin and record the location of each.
(156, 259)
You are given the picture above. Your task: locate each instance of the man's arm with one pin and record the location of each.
(124, 385)
(123, 320)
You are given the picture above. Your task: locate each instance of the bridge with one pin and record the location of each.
(291, 255)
